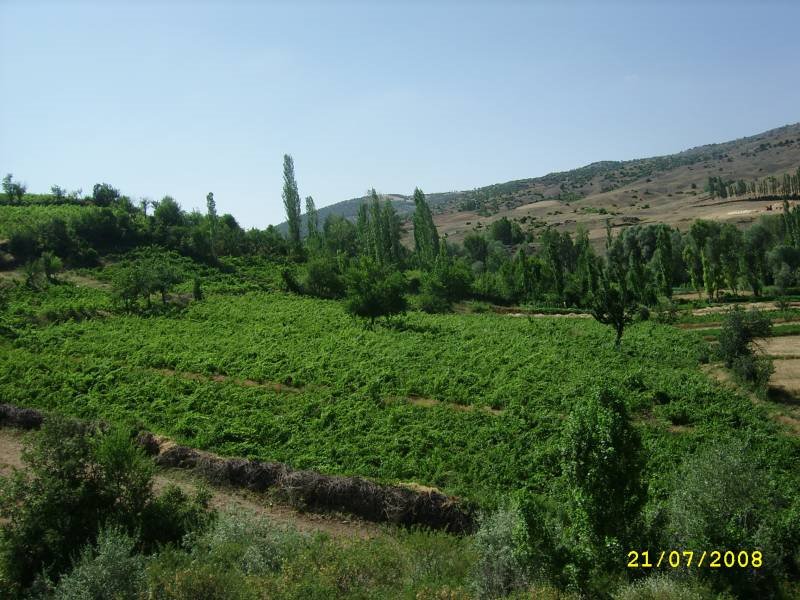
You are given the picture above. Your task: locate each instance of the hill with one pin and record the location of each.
(661, 189)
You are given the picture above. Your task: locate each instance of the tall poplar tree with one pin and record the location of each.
(426, 238)
(291, 200)
(312, 220)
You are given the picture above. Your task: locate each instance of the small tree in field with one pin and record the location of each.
(601, 459)
(613, 306)
(374, 291)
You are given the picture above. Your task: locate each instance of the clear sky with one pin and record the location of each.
(184, 98)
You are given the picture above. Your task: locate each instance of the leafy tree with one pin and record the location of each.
(14, 190)
(323, 278)
(662, 261)
(476, 246)
(723, 496)
(312, 221)
(602, 466)
(340, 235)
(448, 281)
(506, 232)
(379, 230)
(730, 242)
(374, 290)
(426, 238)
(103, 194)
(613, 306)
(59, 193)
(168, 213)
(291, 201)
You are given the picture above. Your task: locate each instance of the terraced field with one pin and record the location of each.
(277, 377)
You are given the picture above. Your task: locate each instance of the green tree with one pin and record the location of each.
(104, 194)
(312, 222)
(291, 201)
(168, 213)
(77, 479)
(612, 305)
(601, 459)
(14, 190)
(426, 238)
(374, 290)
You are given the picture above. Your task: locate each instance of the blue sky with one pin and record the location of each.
(184, 98)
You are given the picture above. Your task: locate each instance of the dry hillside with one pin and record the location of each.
(665, 189)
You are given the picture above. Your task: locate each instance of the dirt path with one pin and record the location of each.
(784, 346)
(335, 525)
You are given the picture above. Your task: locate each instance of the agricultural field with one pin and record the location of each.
(472, 404)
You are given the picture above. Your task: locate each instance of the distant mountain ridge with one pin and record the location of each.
(609, 185)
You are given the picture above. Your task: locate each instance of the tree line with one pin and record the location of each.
(638, 266)
(787, 186)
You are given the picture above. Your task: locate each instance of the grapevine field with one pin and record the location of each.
(473, 404)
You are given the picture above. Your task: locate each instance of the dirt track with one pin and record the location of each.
(342, 526)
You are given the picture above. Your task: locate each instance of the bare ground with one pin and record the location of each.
(335, 525)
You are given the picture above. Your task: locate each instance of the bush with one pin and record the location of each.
(500, 543)
(177, 576)
(660, 587)
(110, 571)
(374, 291)
(245, 542)
(323, 279)
(722, 498)
(666, 311)
(739, 332)
(78, 479)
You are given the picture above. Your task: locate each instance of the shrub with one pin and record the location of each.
(178, 576)
(723, 499)
(740, 331)
(660, 587)
(323, 279)
(500, 544)
(112, 570)
(666, 311)
(374, 291)
(245, 542)
(78, 479)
